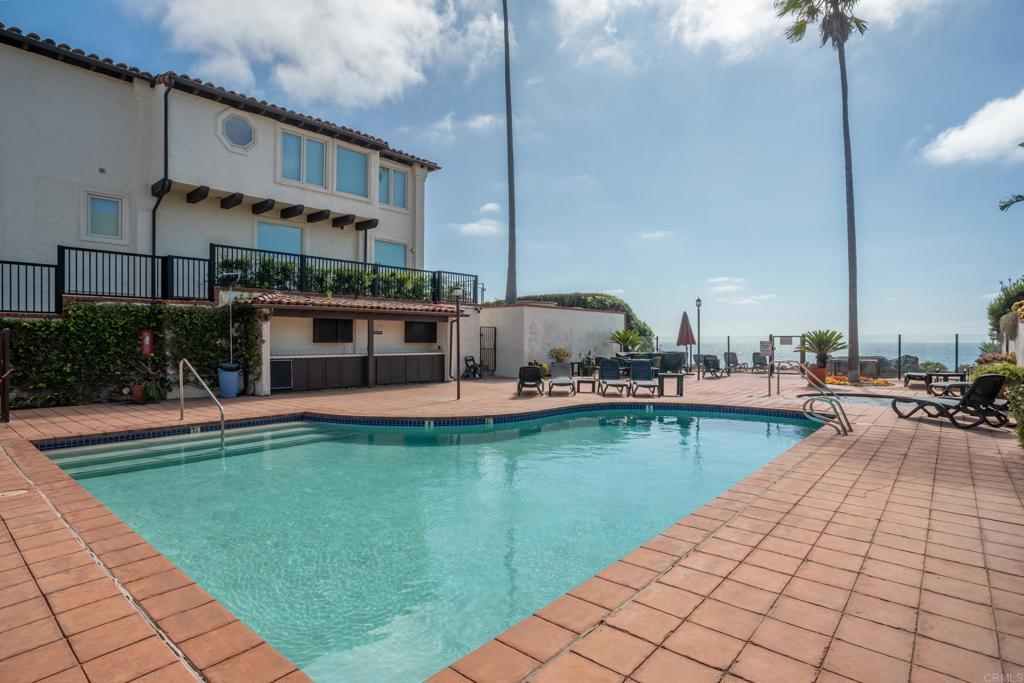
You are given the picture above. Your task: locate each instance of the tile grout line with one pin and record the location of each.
(117, 584)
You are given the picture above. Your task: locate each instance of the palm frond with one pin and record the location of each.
(1012, 199)
(797, 31)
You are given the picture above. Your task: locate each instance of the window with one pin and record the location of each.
(279, 238)
(391, 189)
(315, 162)
(350, 177)
(238, 132)
(389, 253)
(398, 189)
(384, 185)
(420, 333)
(103, 218)
(303, 160)
(291, 156)
(331, 331)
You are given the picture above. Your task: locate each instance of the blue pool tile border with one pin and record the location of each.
(475, 421)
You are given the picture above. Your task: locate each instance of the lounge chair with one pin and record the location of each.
(473, 369)
(673, 362)
(530, 377)
(980, 403)
(733, 364)
(758, 362)
(561, 376)
(915, 376)
(713, 368)
(641, 376)
(608, 377)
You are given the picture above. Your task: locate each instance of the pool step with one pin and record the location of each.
(127, 459)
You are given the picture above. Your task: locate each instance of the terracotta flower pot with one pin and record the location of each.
(819, 373)
(139, 393)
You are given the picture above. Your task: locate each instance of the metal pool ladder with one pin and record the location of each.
(836, 419)
(181, 394)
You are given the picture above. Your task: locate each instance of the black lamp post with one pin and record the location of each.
(698, 325)
(457, 293)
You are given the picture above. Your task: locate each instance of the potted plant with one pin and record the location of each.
(559, 354)
(626, 339)
(821, 343)
(146, 382)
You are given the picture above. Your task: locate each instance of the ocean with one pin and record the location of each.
(943, 349)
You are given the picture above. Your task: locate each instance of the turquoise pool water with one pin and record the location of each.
(382, 554)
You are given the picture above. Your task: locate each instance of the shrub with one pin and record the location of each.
(1016, 397)
(1013, 373)
(559, 354)
(997, 358)
(931, 366)
(1010, 292)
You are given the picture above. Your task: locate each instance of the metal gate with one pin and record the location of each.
(488, 344)
(5, 375)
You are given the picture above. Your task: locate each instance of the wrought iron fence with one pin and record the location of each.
(186, 277)
(27, 287)
(95, 272)
(263, 269)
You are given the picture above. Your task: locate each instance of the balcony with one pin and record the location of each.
(39, 288)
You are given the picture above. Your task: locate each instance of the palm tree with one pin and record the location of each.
(836, 23)
(1012, 199)
(626, 339)
(510, 285)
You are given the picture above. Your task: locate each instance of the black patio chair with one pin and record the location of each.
(672, 362)
(561, 376)
(641, 375)
(608, 377)
(712, 367)
(733, 364)
(530, 377)
(980, 403)
(473, 369)
(758, 362)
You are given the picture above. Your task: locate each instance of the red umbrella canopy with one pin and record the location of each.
(685, 337)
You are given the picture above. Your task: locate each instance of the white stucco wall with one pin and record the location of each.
(294, 336)
(1020, 344)
(68, 131)
(527, 332)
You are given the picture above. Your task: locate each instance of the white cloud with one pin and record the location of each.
(483, 227)
(656, 235)
(445, 130)
(614, 292)
(724, 283)
(534, 80)
(739, 29)
(348, 52)
(490, 207)
(482, 122)
(746, 300)
(992, 133)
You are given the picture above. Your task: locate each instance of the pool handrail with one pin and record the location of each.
(839, 420)
(181, 394)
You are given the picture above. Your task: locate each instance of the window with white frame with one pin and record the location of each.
(350, 175)
(103, 218)
(391, 187)
(303, 159)
(389, 253)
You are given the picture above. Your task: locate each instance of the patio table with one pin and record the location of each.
(679, 382)
(591, 380)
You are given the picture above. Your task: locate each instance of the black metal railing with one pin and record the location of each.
(95, 272)
(186, 277)
(41, 288)
(263, 269)
(27, 287)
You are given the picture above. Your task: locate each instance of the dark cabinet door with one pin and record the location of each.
(280, 375)
(391, 370)
(436, 368)
(300, 374)
(353, 372)
(332, 373)
(316, 373)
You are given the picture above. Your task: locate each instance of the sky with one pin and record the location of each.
(665, 149)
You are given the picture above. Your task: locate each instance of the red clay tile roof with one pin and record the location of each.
(12, 35)
(279, 299)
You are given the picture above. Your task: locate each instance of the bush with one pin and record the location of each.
(1010, 292)
(559, 354)
(1016, 397)
(92, 353)
(1013, 373)
(997, 358)
(931, 366)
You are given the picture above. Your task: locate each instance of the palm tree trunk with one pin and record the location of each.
(510, 285)
(851, 229)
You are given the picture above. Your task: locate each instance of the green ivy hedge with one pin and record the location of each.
(92, 353)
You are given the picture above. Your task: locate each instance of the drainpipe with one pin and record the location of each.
(165, 183)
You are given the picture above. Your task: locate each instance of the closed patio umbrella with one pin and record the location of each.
(685, 336)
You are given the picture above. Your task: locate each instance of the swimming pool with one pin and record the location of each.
(368, 553)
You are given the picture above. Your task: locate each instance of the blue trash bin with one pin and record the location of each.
(229, 377)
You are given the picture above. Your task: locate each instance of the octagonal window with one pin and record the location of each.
(238, 132)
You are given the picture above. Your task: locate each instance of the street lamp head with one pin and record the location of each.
(457, 292)
(698, 302)
(230, 278)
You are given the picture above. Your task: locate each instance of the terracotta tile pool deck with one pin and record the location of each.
(892, 554)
